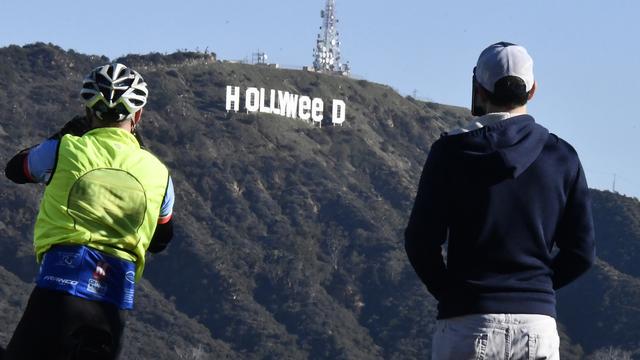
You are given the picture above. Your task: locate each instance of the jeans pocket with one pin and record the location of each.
(452, 345)
(544, 346)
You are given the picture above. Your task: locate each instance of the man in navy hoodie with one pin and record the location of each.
(500, 193)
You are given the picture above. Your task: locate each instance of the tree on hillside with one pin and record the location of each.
(610, 353)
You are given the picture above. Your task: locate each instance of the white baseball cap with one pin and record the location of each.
(504, 59)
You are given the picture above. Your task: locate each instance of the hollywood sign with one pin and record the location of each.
(286, 104)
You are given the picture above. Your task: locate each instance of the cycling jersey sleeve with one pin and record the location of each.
(41, 160)
(166, 211)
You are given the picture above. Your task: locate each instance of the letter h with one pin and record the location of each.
(233, 98)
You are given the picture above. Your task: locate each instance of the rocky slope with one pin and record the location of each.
(289, 236)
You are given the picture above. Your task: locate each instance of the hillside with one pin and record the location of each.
(289, 236)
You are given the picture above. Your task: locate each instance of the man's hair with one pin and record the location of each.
(510, 91)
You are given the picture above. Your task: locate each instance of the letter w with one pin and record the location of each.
(288, 104)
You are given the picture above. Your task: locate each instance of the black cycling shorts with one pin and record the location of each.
(57, 325)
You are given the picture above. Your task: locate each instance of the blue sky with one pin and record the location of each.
(586, 53)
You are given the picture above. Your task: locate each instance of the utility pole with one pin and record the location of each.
(326, 54)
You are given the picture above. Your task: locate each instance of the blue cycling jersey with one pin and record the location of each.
(88, 273)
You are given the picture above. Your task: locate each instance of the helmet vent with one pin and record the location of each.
(102, 81)
(117, 94)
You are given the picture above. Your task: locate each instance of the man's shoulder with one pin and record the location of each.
(439, 146)
(559, 144)
(152, 158)
(562, 152)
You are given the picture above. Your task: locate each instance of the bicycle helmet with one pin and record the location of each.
(114, 92)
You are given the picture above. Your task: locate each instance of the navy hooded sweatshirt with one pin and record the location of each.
(502, 196)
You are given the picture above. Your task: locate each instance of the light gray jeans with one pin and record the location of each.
(496, 336)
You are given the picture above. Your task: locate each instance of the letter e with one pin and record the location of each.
(304, 108)
(317, 108)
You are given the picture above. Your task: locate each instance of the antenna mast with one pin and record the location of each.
(259, 58)
(326, 55)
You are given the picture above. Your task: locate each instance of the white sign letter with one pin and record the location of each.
(252, 99)
(272, 103)
(263, 108)
(304, 109)
(233, 98)
(339, 112)
(288, 104)
(317, 107)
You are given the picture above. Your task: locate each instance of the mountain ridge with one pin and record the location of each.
(289, 236)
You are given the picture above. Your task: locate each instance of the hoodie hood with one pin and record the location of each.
(505, 149)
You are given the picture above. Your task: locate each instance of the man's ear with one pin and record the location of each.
(532, 91)
(478, 99)
(483, 94)
(90, 117)
(88, 113)
(137, 115)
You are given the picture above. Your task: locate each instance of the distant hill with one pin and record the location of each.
(289, 237)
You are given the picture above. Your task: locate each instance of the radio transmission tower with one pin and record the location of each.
(326, 55)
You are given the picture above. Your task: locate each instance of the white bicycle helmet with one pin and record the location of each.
(114, 92)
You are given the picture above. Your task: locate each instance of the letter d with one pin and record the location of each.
(339, 112)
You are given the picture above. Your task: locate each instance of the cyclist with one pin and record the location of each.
(106, 203)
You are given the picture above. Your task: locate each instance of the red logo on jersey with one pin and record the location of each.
(101, 270)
